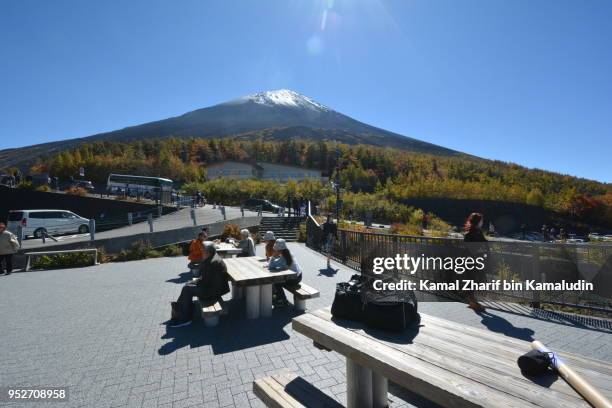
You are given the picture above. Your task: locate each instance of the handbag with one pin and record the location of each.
(175, 313)
(390, 310)
(348, 303)
(534, 362)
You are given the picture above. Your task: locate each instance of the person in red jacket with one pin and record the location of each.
(196, 249)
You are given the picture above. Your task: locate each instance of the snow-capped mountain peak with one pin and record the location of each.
(283, 97)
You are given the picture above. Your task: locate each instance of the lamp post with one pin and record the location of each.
(337, 185)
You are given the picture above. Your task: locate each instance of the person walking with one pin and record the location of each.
(424, 222)
(9, 245)
(296, 207)
(288, 206)
(330, 234)
(473, 233)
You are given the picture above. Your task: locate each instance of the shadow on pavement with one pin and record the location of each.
(308, 393)
(183, 277)
(234, 331)
(402, 395)
(557, 317)
(330, 272)
(500, 325)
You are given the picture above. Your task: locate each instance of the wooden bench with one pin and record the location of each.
(449, 363)
(287, 390)
(301, 292)
(29, 255)
(210, 311)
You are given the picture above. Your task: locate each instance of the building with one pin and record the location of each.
(235, 170)
(261, 171)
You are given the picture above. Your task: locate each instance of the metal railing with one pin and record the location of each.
(116, 221)
(506, 261)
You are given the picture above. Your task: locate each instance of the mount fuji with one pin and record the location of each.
(271, 115)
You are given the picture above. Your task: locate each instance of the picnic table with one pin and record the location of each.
(451, 364)
(250, 273)
(227, 250)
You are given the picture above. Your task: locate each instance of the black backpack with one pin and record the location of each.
(390, 310)
(348, 303)
(387, 310)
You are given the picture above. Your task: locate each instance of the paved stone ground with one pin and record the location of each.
(100, 330)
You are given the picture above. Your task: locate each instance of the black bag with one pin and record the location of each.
(535, 362)
(175, 311)
(348, 303)
(391, 310)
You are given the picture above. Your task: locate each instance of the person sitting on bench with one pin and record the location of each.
(269, 239)
(196, 249)
(246, 244)
(211, 285)
(282, 260)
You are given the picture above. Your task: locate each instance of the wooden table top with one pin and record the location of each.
(249, 271)
(453, 364)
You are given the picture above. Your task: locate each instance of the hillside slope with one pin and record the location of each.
(279, 115)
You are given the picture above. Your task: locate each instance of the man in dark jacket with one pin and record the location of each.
(211, 285)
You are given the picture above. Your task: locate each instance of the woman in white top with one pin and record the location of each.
(246, 244)
(282, 260)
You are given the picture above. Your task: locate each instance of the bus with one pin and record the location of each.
(148, 187)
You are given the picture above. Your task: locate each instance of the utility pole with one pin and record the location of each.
(338, 184)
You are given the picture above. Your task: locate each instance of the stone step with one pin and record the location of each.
(282, 227)
(279, 220)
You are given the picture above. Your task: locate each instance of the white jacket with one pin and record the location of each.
(8, 243)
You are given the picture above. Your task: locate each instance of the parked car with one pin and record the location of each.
(39, 179)
(7, 180)
(593, 236)
(266, 205)
(574, 240)
(85, 184)
(52, 222)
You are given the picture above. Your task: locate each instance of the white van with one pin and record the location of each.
(36, 222)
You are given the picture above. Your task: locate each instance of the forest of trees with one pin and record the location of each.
(366, 171)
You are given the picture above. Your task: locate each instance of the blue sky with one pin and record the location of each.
(522, 81)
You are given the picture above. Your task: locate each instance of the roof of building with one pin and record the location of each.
(259, 165)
